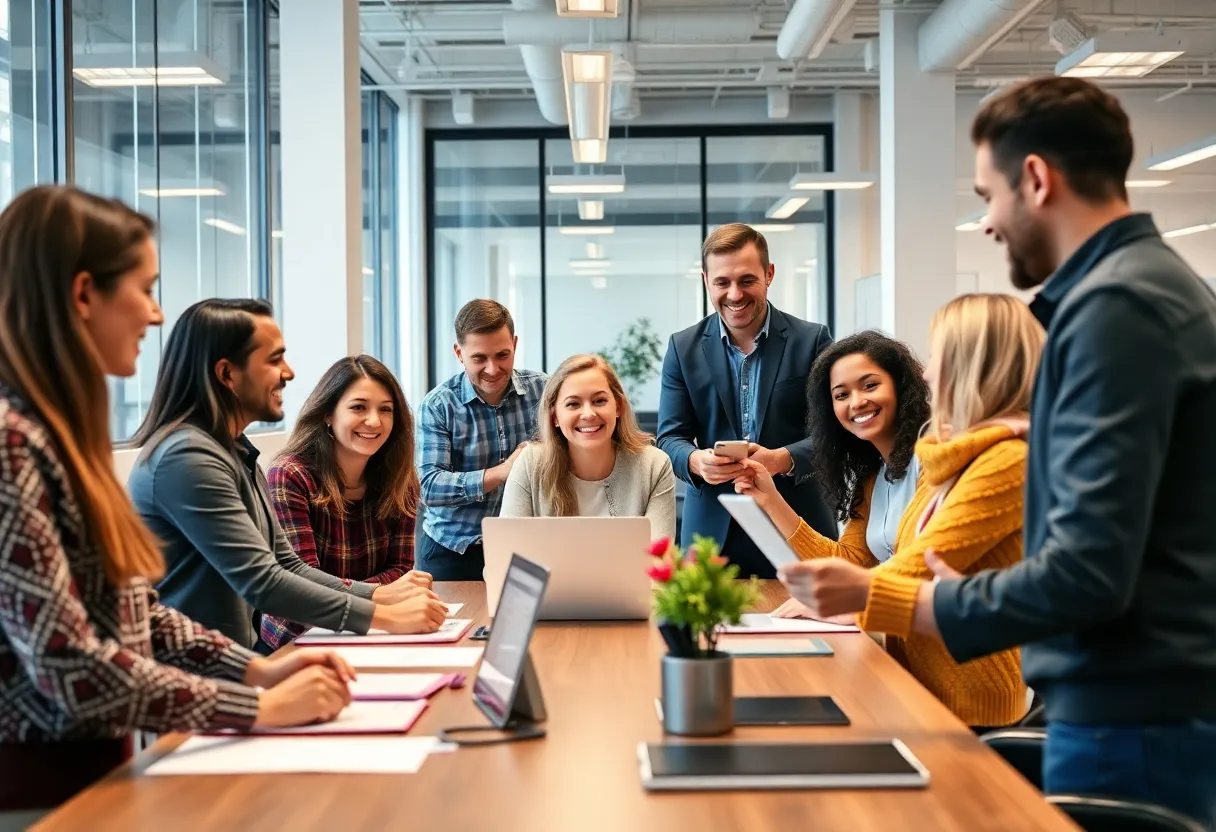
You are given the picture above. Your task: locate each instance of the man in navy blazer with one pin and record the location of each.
(740, 374)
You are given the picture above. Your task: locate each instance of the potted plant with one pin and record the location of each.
(695, 594)
(635, 356)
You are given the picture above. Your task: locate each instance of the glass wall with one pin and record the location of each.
(485, 241)
(617, 266)
(380, 228)
(169, 115)
(748, 180)
(641, 277)
(27, 97)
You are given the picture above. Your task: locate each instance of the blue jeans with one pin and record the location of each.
(1170, 765)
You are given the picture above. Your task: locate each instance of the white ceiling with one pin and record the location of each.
(435, 47)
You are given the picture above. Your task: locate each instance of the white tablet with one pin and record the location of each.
(738, 766)
(752, 519)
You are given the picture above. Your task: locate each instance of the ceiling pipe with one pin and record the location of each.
(809, 27)
(956, 35)
(660, 26)
(543, 63)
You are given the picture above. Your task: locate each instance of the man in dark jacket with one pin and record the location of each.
(1116, 600)
(740, 375)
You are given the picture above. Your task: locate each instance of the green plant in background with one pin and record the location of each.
(696, 593)
(635, 356)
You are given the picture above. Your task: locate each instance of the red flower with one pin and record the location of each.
(660, 572)
(659, 547)
(718, 560)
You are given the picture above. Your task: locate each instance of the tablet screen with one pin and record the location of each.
(777, 759)
(502, 663)
(752, 519)
(788, 710)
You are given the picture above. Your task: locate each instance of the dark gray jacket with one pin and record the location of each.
(1116, 600)
(225, 552)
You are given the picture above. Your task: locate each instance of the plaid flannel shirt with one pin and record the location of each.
(459, 436)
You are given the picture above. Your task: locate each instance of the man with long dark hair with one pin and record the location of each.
(200, 489)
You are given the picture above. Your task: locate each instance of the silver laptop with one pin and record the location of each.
(597, 565)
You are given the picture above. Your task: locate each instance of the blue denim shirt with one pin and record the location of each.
(745, 376)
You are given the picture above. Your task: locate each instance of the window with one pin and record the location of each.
(27, 100)
(169, 114)
(616, 264)
(380, 227)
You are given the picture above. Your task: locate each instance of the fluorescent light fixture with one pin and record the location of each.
(589, 151)
(590, 264)
(587, 76)
(773, 227)
(1190, 229)
(595, 251)
(592, 230)
(278, 235)
(829, 182)
(599, 282)
(972, 223)
(588, 8)
(170, 193)
(1120, 55)
(591, 209)
(367, 271)
(586, 184)
(1187, 154)
(224, 225)
(1147, 183)
(160, 69)
(785, 207)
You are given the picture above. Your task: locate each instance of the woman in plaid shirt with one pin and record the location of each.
(345, 488)
(87, 653)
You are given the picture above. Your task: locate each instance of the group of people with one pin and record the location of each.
(1040, 484)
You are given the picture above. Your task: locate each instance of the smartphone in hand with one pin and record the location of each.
(735, 449)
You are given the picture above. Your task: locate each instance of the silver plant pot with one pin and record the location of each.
(698, 696)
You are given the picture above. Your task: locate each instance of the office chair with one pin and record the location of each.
(1096, 814)
(1022, 748)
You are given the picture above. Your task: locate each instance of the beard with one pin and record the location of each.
(1028, 244)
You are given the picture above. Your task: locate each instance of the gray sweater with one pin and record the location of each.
(225, 552)
(640, 485)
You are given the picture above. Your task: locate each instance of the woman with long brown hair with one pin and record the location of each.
(592, 458)
(87, 654)
(345, 488)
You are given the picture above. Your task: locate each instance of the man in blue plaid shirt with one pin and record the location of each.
(471, 429)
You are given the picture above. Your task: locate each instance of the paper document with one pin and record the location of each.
(291, 755)
(397, 686)
(453, 609)
(357, 718)
(754, 647)
(758, 622)
(388, 656)
(453, 629)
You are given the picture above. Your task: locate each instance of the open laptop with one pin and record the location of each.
(597, 565)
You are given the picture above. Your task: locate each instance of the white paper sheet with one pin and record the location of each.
(452, 630)
(360, 718)
(754, 622)
(388, 656)
(383, 686)
(453, 609)
(291, 755)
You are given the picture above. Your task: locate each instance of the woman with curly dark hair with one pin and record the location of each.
(867, 403)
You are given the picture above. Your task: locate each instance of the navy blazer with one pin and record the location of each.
(697, 408)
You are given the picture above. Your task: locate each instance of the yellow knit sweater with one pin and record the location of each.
(978, 526)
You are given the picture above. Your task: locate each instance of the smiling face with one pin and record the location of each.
(259, 384)
(864, 399)
(488, 359)
(118, 319)
(1013, 220)
(586, 411)
(737, 283)
(363, 419)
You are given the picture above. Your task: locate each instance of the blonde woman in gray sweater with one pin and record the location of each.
(592, 459)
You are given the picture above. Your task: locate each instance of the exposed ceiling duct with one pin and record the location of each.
(659, 26)
(960, 31)
(544, 67)
(809, 26)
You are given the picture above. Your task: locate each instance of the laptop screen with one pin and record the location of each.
(503, 661)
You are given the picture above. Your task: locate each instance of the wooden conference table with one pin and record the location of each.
(599, 681)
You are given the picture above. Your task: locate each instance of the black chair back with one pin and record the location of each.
(1097, 814)
(1022, 748)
